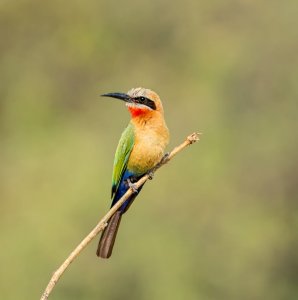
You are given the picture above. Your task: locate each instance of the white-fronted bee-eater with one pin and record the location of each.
(141, 148)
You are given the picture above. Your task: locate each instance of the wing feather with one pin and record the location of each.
(123, 151)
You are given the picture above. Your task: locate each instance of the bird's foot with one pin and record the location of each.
(150, 175)
(163, 161)
(132, 186)
(165, 158)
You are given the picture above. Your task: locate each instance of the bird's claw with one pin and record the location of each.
(132, 186)
(165, 157)
(164, 160)
(150, 175)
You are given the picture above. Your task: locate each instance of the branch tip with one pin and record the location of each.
(194, 137)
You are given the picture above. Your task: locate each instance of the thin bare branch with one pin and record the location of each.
(103, 222)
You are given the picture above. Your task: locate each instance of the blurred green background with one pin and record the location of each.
(221, 220)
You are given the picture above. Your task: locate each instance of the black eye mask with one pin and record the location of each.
(145, 101)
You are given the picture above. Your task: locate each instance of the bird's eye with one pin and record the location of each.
(142, 99)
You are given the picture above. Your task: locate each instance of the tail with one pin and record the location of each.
(107, 240)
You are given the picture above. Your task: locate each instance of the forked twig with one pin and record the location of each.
(103, 222)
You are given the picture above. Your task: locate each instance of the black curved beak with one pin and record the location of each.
(121, 96)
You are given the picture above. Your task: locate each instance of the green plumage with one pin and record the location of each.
(122, 154)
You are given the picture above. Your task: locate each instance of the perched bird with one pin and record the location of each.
(141, 147)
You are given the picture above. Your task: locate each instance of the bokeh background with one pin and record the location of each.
(221, 220)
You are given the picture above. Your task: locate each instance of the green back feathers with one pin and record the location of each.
(122, 155)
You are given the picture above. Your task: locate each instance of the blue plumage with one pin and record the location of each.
(122, 188)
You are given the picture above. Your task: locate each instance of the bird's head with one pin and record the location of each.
(139, 101)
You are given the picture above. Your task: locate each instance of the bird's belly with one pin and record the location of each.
(146, 153)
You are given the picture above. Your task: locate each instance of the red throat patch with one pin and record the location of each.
(135, 112)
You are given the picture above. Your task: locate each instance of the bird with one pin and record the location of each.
(140, 148)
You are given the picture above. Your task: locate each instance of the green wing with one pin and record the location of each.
(122, 155)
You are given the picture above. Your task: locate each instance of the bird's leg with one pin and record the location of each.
(132, 185)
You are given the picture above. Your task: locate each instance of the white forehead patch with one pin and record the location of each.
(137, 92)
